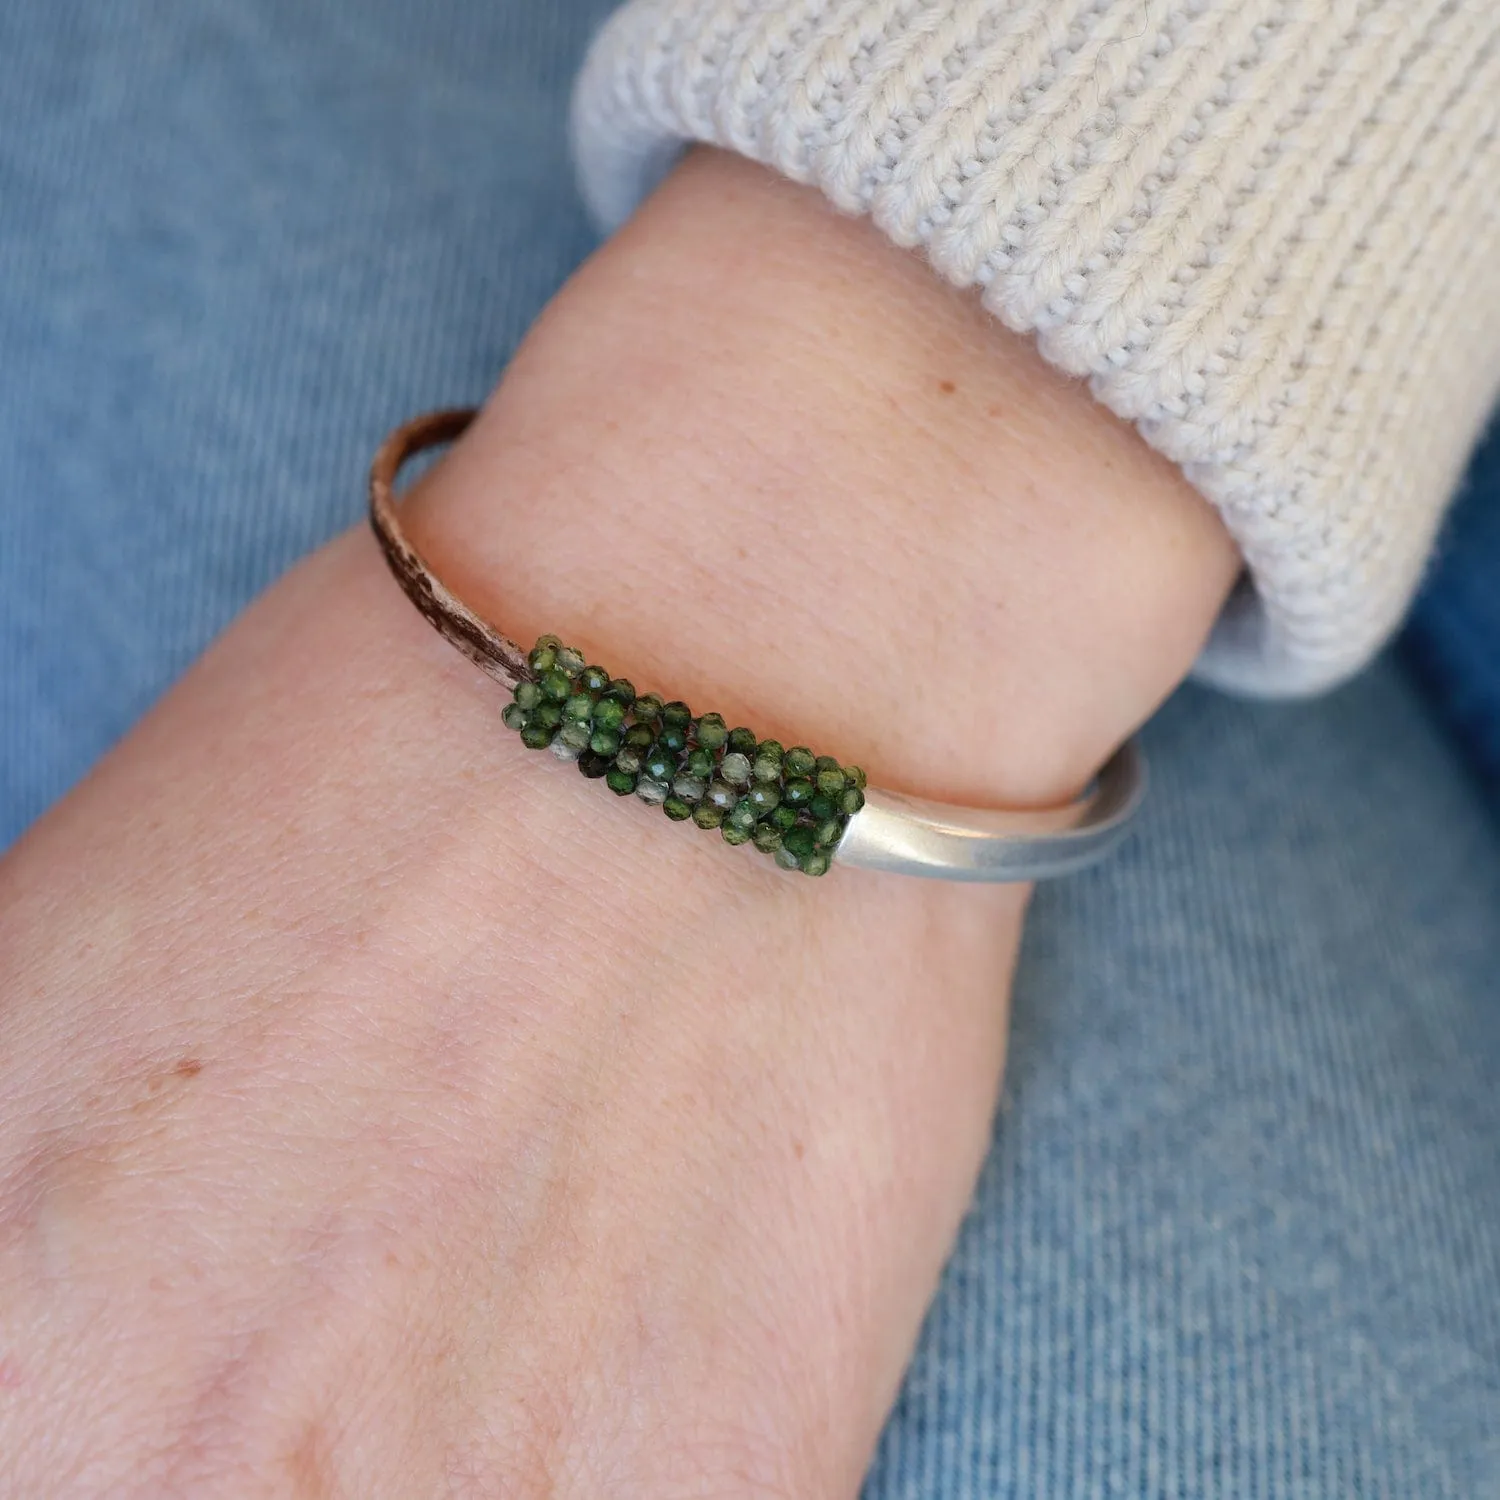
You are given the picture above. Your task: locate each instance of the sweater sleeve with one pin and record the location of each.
(1266, 231)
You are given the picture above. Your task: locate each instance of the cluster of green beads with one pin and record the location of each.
(790, 804)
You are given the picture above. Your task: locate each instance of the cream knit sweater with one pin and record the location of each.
(1268, 231)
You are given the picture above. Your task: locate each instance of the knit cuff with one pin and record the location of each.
(1266, 230)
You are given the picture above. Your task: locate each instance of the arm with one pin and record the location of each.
(383, 1109)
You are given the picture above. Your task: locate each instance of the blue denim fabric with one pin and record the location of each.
(1240, 1231)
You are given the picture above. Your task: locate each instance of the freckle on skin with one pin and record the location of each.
(947, 387)
(798, 1150)
(189, 1067)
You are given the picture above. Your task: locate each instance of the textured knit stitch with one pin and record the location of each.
(1268, 231)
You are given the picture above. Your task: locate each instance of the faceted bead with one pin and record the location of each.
(766, 796)
(733, 834)
(676, 809)
(711, 731)
(766, 767)
(536, 736)
(699, 763)
(593, 679)
(604, 742)
(786, 860)
(640, 737)
(555, 685)
(648, 708)
(816, 864)
(677, 713)
(857, 777)
(549, 714)
(629, 760)
(797, 793)
(822, 807)
(564, 751)
(766, 838)
(689, 788)
(744, 814)
(569, 661)
(623, 689)
(830, 779)
(735, 768)
(660, 764)
(742, 742)
(621, 783)
(706, 815)
(593, 766)
(652, 792)
(575, 734)
(851, 802)
(771, 748)
(829, 833)
(783, 818)
(674, 737)
(721, 795)
(609, 712)
(515, 717)
(544, 654)
(580, 706)
(801, 841)
(800, 762)
(528, 695)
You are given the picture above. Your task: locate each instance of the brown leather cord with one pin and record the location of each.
(486, 647)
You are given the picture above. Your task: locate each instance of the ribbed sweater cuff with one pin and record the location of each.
(1268, 231)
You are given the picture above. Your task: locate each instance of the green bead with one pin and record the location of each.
(797, 793)
(829, 833)
(569, 661)
(660, 764)
(593, 679)
(536, 736)
(648, 708)
(555, 685)
(735, 769)
(629, 760)
(766, 838)
(651, 791)
(816, 864)
(851, 802)
(604, 742)
(515, 717)
(742, 742)
(706, 815)
(677, 713)
(609, 713)
(786, 860)
(580, 706)
(800, 762)
(640, 737)
(822, 808)
(549, 715)
(830, 779)
(771, 748)
(733, 834)
(766, 767)
(711, 731)
(575, 734)
(623, 689)
(676, 809)
(722, 795)
(783, 818)
(674, 737)
(544, 654)
(766, 796)
(744, 815)
(856, 777)
(699, 763)
(528, 695)
(801, 841)
(621, 783)
(689, 788)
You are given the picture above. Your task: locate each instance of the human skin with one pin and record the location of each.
(387, 1111)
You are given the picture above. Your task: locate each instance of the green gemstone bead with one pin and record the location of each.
(711, 731)
(640, 737)
(623, 689)
(564, 751)
(706, 815)
(800, 762)
(735, 769)
(676, 809)
(721, 795)
(609, 713)
(816, 864)
(630, 761)
(822, 808)
(515, 717)
(830, 780)
(676, 713)
(593, 679)
(648, 708)
(783, 818)
(699, 763)
(851, 802)
(829, 833)
(856, 777)
(766, 767)
(604, 742)
(770, 747)
(621, 783)
(555, 685)
(689, 788)
(528, 695)
(742, 742)
(786, 860)
(549, 715)
(797, 793)
(660, 764)
(766, 838)
(543, 657)
(651, 791)
(801, 841)
(569, 661)
(744, 815)
(536, 736)
(766, 796)
(575, 734)
(732, 833)
(673, 737)
(580, 706)
(593, 766)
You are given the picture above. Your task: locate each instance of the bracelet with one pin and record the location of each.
(807, 812)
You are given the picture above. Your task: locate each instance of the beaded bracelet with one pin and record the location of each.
(806, 812)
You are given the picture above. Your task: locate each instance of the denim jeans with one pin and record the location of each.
(1239, 1233)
